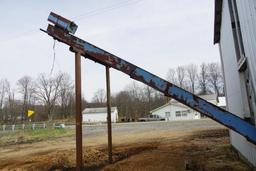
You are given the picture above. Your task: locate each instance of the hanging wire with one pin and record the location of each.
(91, 13)
(54, 56)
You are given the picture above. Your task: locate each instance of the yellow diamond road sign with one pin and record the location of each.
(30, 113)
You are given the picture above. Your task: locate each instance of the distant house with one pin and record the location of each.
(99, 114)
(174, 110)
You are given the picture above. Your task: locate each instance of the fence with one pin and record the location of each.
(32, 126)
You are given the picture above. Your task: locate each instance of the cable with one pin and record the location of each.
(54, 56)
(105, 9)
(81, 16)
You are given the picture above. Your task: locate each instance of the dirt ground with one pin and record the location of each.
(196, 149)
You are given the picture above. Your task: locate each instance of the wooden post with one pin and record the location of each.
(79, 144)
(109, 116)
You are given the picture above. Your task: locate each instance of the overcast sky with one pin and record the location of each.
(153, 34)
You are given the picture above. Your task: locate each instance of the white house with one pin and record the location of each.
(235, 33)
(173, 110)
(99, 114)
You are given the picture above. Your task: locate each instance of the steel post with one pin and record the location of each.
(109, 116)
(79, 144)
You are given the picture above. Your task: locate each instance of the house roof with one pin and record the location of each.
(97, 110)
(217, 20)
(207, 97)
(167, 104)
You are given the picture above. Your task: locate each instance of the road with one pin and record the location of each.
(139, 127)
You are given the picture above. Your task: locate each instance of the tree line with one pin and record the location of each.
(53, 96)
(206, 78)
(47, 95)
(137, 100)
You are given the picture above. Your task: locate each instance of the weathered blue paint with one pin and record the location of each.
(94, 53)
(121, 64)
(228, 119)
(67, 25)
(151, 79)
(185, 96)
(213, 111)
(52, 18)
(59, 22)
(80, 42)
(90, 48)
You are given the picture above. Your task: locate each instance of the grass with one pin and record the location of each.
(28, 136)
(226, 158)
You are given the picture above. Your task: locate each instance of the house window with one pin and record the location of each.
(185, 113)
(178, 114)
(167, 114)
(237, 35)
(246, 83)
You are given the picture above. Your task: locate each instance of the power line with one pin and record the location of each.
(106, 9)
(80, 17)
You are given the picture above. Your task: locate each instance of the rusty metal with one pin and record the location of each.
(103, 57)
(109, 116)
(63, 23)
(79, 143)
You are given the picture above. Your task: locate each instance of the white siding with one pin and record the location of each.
(247, 16)
(232, 82)
(172, 109)
(229, 63)
(162, 112)
(99, 117)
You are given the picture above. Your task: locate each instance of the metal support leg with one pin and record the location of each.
(109, 116)
(79, 144)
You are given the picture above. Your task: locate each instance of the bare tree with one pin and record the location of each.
(4, 84)
(180, 70)
(99, 96)
(192, 76)
(26, 88)
(148, 96)
(123, 102)
(136, 107)
(203, 79)
(11, 104)
(66, 98)
(48, 90)
(171, 76)
(134, 90)
(215, 77)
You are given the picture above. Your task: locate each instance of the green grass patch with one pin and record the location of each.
(28, 136)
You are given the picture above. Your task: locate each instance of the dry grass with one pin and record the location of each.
(199, 150)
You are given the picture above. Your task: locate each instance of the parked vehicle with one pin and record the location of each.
(151, 118)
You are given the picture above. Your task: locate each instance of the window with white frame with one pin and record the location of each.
(184, 113)
(247, 87)
(167, 114)
(178, 113)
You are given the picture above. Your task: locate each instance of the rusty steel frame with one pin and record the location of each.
(103, 57)
(79, 143)
(109, 115)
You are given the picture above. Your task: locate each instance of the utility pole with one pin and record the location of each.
(79, 144)
(109, 116)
